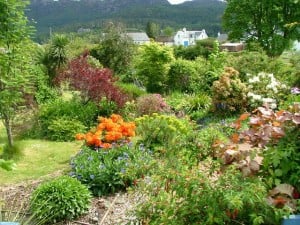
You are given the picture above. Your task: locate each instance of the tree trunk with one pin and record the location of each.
(7, 124)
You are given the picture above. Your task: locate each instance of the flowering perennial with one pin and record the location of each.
(109, 131)
(265, 89)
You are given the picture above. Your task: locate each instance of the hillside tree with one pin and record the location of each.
(116, 49)
(266, 22)
(152, 29)
(15, 79)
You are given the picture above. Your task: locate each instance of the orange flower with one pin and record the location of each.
(97, 142)
(116, 118)
(89, 138)
(113, 136)
(109, 129)
(106, 145)
(79, 137)
(128, 129)
(101, 126)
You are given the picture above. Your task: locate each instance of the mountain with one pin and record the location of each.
(69, 15)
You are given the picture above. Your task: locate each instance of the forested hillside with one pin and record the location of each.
(68, 15)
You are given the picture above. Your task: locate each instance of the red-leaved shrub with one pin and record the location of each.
(93, 83)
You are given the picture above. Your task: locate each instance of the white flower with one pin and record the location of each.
(257, 97)
(271, 75)
(250, 94)
(268, 100)
(255, 79)
(273, 105)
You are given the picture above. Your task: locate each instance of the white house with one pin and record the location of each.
(186, 38)
(296, 46)
(139, 37)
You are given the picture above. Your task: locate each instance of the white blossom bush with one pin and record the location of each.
(264, 89)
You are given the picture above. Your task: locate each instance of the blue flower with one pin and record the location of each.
(101, 166)
(92, 176)
(72, 174)
(123, 170)
(142, 147)
(120, 158)
(125, 154)
(90, 158)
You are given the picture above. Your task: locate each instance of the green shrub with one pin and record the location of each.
(249, 62)
(64, 129)
(109, 171)
(161, 130)
(229, 93)
(152, 66)
(12, 152)
(131, 90)
(180, 74)
(200, 83)
(7, 164)
(43, 92)
(290, 100)
(60, 199)
(107, 107)
(151, 103)
(206, 138)
(281, 162)
(73, 113)
(178, 196)
(189, 103)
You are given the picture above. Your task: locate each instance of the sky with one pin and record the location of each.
(178, 1)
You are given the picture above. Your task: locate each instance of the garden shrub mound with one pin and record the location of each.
(60, 199)
(108, 171)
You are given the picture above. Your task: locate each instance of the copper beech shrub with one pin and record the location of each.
(93, 83)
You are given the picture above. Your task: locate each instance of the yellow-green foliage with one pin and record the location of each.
(160, 130)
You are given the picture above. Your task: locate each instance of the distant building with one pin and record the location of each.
(232, 47)
(222, 37)
(165, 40)
(186, 38)
(139, 37)
(296, 46)
(83, 30)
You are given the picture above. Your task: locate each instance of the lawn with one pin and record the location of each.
(40, 158)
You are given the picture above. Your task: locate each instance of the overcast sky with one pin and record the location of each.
(177, 1)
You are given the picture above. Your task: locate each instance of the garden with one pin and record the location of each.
(176, 135)
(217, 147)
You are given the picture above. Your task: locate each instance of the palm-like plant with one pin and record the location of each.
(56, 56)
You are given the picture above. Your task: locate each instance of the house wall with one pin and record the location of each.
(186, 38)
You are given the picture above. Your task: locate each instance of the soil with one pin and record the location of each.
(107, 210)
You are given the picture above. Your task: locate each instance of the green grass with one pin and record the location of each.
(40, 158)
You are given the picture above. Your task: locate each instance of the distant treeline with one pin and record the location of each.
(69, 15)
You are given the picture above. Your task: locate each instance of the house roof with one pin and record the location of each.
(138, 36)
(231, 44)
(164, 39)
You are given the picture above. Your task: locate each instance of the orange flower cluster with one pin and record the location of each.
(109, 130)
